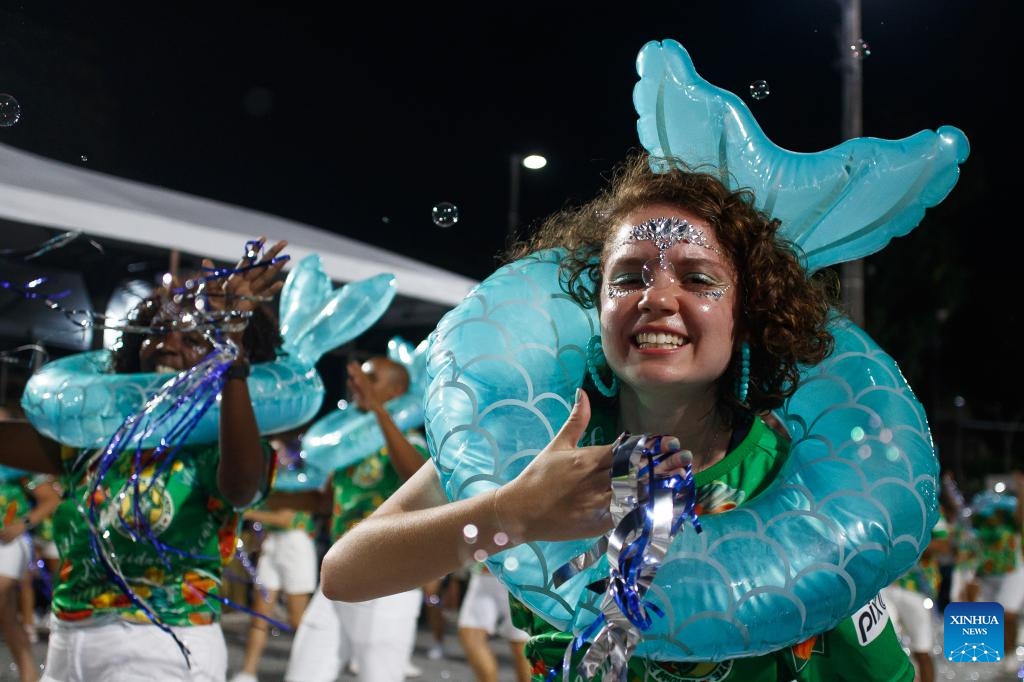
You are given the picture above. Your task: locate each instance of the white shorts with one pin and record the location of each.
(379, 635)
(1006, 588)
(47, 549)
(288, 562)
(485, 607)
(15, 556)
(118, 651)
(915, 624)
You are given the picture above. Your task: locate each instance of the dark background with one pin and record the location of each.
(360, 118)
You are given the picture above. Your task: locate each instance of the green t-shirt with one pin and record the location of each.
(924, 576)
(301, 520)
(362, 487)
(14, 503)
(185, 512)
(304, 521)
(862, 647)
(997, 537)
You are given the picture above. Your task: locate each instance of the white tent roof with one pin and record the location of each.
(40, 191)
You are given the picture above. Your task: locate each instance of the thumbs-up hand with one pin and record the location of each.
(565, 492)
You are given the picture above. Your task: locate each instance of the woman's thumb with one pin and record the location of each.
(572, 430)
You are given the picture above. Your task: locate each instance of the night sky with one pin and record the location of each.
(361, 121)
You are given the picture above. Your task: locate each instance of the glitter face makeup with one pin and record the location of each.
(667, 232)
(658, 272)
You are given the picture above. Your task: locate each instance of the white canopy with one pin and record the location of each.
(40, 191)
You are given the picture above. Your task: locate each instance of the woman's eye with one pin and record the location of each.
(627, 279)
(704, 285)
(700, 279)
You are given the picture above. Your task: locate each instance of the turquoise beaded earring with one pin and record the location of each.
(743, 382)
(595, 356)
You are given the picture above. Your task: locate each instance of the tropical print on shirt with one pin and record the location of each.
(997, 542)
(301, 520)
(362, 487)
(180, 507)
(924, 577)
(13, 502)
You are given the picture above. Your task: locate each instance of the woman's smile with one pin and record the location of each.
(650, 340)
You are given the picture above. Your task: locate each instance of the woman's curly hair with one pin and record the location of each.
(783, 310)
(261, 338)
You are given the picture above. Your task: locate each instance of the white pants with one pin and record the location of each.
(15, 556)
(379, 635)
(1005, 588)
(288, 562)
(486, 607)
(118, 651)
(913, 622)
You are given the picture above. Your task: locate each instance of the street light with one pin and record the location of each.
(851, 273)
(516, 162)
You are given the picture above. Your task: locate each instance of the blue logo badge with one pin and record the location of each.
(973, 632)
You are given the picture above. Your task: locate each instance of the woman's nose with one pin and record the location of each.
(661, 299)
(662, 287)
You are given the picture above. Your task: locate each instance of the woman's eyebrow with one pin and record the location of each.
(628, 258)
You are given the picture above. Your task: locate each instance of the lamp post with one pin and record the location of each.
(516, 163)
(851, 273)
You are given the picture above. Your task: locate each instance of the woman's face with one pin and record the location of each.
(667, 305)
(164, 350)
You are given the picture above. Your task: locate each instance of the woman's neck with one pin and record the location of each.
(695, 422)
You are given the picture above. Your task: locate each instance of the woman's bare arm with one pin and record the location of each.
(417, 535)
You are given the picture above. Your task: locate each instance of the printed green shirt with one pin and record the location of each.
(362, 487)
(301, 520)
(862, 647)
(924, 576)
(998, 539)
(181, 507)
(13, 502)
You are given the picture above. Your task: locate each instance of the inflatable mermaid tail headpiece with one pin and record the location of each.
(346, 435)
(77, 401)
(855, 503)
(839, 204)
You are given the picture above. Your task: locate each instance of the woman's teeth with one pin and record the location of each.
(164, 369)
(658, 340)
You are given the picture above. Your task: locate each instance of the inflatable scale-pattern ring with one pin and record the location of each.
(77, 401)
(854, 505)
(851, 510)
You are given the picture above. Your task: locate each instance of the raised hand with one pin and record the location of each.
(252, 283)
(362, 390)
(565, 492)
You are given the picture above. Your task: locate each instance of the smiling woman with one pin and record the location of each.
(131, 507)
(697, 322)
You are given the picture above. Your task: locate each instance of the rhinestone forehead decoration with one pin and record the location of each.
(665, 232)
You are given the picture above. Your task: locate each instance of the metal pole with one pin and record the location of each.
(852, 272)
(174, 263)
(515, 162)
